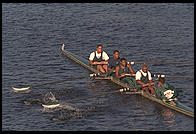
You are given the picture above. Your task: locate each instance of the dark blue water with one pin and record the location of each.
(32, 35)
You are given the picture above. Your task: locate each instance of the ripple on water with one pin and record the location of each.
(32, 36)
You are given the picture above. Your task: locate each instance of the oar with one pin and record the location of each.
(111, 92)
(161, 63)
(52, 82)
(133, 91)
(170, 76)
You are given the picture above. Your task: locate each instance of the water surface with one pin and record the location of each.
(32, 35)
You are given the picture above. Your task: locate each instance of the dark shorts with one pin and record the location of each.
(130, 80)
(94, 66)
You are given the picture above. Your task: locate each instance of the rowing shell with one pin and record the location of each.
(85, 63)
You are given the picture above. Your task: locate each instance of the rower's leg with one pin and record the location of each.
(105, 67)
(128, 80)
(145, 89)
(172, 103)
(100, 68)
(151, 89)
(131, 81)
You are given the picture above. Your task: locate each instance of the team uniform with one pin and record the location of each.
(112, 64)
(127, 79)
(94, 56)
(144, 77)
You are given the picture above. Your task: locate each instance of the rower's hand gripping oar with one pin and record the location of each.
(24, 88)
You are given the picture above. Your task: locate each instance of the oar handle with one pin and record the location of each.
(131, 62)
(119, 90)
(158, 75)
(94, 74)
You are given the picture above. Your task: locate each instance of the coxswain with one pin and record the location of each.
(143, 78)
(166, 92)
(99, 59)
(125, 72)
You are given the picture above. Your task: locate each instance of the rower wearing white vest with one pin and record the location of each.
(99, 59)
(143, 78)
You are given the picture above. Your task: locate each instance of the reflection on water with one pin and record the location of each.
(141, 32)
(166, 116)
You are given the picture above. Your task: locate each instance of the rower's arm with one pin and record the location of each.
(98, 63)
(111, 70)
(93, 63)
(131, 69)
(132, 73)
(141, 83)
(147, 84)
(104, 62)
(117, 72)
(152, 82)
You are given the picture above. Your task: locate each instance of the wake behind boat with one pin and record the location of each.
(85, 63)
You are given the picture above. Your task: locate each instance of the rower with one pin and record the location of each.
(125, 72)
(143, 78)
(115, 61)
(166, 92)
(99, 59)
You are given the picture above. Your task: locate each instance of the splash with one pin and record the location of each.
(49, 97)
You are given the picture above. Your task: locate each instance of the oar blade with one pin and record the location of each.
(51, 105)
(21, 88)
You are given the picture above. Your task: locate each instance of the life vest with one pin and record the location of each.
(130, 80)
(100, 58)
(144, 78)
(125, 70)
